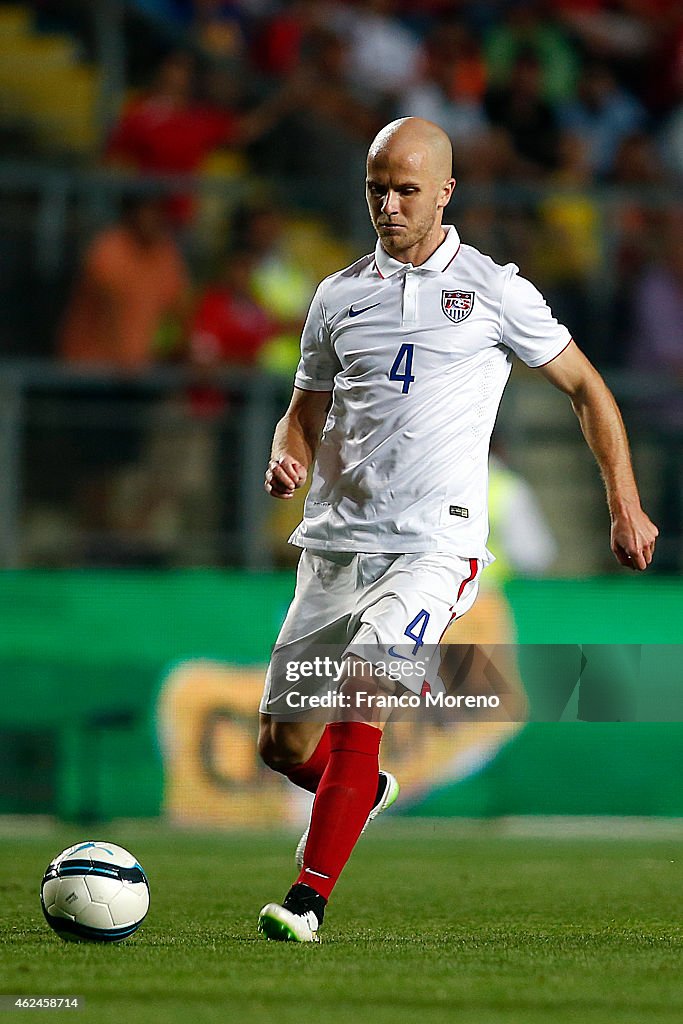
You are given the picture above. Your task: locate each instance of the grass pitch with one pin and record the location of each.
(429, 923)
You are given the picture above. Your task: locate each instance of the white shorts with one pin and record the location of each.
(380, 607)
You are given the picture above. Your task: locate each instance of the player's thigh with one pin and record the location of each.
(324, 593)
(406, 612)
(313, 635)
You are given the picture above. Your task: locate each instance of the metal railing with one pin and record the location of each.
(150, 440)
(43, 402)
(89, 196)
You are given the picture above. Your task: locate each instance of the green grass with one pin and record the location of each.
(428, 924)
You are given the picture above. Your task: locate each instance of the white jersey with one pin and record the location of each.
(417, 359)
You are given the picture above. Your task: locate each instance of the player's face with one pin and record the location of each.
(406, 202)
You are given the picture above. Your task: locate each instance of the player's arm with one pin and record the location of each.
(633, 535)
(295, 441)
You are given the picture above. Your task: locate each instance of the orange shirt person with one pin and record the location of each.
(133, 278)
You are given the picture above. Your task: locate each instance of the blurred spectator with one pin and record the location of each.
(568, 245)
(520, 536)
(452, 41)
(230, 325)
(323, 88)
(636, 229)
(611, 31)
(662, 79)
(656, 350)
(450, 89)
(279, 283)
(323, 141)
(657, 319)
(482, 224)
(625, 34)
(280, 44)
(528, 28)
(132, 280)
(527, 120)
(168, 131)
(602, 115)
(637, 162)
(132, 289)
(383, 54)
(217, 27)
(230, 329)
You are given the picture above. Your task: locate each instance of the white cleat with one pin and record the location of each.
(276, 922)
(387, 798)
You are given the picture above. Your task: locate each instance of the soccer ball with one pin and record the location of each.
(94, 892)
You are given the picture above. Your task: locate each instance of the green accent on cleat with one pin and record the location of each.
(277, 930)
(280, 924)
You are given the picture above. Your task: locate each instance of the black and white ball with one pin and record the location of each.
(95, 892)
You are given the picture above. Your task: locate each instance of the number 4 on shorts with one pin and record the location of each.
(419, 622)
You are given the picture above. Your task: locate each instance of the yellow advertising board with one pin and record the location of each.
(208, 715)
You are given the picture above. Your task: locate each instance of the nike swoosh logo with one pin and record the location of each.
(395, 654)
(357, 312)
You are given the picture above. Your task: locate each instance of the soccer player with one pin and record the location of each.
(404, 358)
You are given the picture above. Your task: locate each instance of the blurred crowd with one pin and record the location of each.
(562, 94)
(133, 303)
(526, 88)
(547, 102)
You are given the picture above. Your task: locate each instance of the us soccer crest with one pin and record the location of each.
(457, 305)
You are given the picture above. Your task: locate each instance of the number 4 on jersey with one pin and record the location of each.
(404, 353)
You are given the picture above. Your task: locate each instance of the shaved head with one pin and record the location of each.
(414, 137)
(409, 184)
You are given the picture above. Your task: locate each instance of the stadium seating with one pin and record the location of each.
(46, 85)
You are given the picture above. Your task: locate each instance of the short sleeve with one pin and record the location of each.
(528, 325)
(318, 364)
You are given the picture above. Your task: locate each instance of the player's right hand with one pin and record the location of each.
(284, 476)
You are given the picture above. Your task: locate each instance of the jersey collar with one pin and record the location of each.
(437, 262)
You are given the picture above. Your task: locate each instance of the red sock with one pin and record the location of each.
(343, 801)
(309, 774)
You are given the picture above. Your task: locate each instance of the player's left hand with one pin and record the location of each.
(633, 538)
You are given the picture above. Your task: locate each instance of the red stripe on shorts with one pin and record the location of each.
(474, 565)
(474, 568)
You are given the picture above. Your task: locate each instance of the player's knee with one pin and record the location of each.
(264, 744)
(280, 747)
(270, 752)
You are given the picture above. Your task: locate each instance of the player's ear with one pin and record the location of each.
(446, 193)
